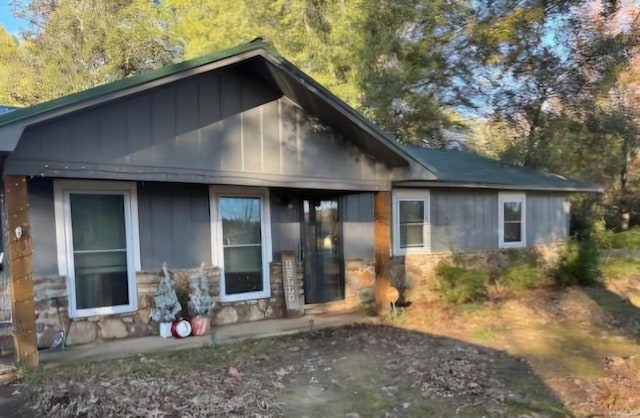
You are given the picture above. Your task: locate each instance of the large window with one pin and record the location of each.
(511, 220)
(98, 250)
(411, 226)
(240, 231)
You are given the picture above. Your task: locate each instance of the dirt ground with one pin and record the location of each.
(547, 354)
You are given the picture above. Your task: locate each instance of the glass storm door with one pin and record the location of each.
(100, 261)
(323, 259)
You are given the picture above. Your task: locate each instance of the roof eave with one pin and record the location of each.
(495, 186)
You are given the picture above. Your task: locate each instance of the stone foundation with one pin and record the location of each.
(414, 274)
(50, 294)
(52, 314)
(359, 289)
(254, 309)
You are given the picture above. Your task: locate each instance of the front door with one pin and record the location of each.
(322, 252)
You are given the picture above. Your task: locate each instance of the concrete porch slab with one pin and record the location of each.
(226, 334)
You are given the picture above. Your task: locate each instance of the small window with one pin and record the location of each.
(241, 242)
(511, 218)
(411, 228)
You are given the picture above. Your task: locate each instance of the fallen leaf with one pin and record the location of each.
(233, 372)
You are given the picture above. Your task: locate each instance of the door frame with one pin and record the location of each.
(303, 240)
(64, 237)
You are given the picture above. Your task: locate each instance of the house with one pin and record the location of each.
(232, 160)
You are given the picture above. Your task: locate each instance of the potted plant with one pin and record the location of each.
(167, 305)
(200, 303)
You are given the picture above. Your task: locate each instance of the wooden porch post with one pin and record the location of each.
(382, 248)
(20, 266)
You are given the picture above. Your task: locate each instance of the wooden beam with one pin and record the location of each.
(382, 249)
(20, 268)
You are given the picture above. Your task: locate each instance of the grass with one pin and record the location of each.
(615, 266)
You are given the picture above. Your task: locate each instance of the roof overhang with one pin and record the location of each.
(587, 188)
(291, 81)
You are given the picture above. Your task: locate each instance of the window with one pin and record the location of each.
(241, 245)
(411, 227)
(511, 220)
(98, 245)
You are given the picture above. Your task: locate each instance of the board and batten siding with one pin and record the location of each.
(467, 220)
(357, 226)
(173, 221)
(356, 217)
(463, 220)
(174, 225)
(226, 127)
(43, 226)
(285, 223)
(547, 218)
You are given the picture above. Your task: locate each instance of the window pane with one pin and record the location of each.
(101, 279)
(513, 211)
(411, 211)
(243, 269)
(240, 220)
(242, 244)
(97, 221)
(99, 250)
(411, 236)
(513, 232)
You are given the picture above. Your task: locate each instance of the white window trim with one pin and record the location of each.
(512, 197)
(64, 240)
(401, 195)
(217, 254)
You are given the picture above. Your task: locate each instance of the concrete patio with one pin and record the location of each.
(225, 334)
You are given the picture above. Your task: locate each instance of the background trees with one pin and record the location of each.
(550, 84)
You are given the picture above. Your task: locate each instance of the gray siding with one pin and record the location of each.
(174, 225)
(173, 220)
(285, 224)
(224, 127)
(357, 224)
(464, 220)
(43, 227)
(547, 218)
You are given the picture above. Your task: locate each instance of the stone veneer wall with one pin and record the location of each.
(415, 273)
(254, 309)
(49, 291)
(360, 278)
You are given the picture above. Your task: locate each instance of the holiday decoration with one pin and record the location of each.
(180, 328)
(200, 304)
(167, 305)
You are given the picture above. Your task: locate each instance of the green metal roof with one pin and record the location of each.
(113, 87)
(464, 169)
(298, 84)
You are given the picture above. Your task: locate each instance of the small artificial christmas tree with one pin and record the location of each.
(166, 301)
(200, 304)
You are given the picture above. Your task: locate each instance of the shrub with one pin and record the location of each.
(521, 275)
(579, 265)
(461, 285)
(627, 239)
(603, 237)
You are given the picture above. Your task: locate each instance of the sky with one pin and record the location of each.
(7, 20)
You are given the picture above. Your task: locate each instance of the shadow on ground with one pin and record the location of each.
(359, 370)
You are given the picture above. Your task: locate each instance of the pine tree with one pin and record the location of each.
(166, 300)
(200, 303)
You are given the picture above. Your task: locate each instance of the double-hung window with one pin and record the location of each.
(411, 225)
(241, 242)
(98, 245)
(512, 220)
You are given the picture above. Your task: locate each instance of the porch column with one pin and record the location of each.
(382, 248)
(20, 269)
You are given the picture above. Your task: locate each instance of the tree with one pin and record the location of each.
(77, 44)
